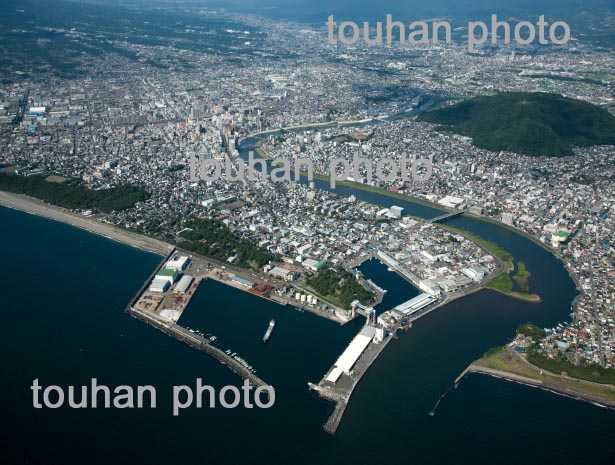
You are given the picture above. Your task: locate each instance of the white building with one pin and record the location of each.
(452, 202)
(178, 264)
(395, 212)
(183, 285)
(414, 305)
(286, 275)
(168, 274)
(159, 284)
(475, 273)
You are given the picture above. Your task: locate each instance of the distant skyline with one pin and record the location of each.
(583, 15)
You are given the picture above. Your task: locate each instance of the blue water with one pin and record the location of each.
(398, 290)
(64, 291)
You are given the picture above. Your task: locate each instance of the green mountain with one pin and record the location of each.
(533, 124)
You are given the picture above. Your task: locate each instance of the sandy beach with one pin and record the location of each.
(93, 225)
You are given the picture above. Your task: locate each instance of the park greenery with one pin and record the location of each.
(339, 287)
(504, 283)
(532, 331)
(211, 238)
(560, 364)
(534, 124)
(587, 371)
(522, 276)
(72, 194)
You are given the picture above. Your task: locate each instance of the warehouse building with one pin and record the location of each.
(414, 305)
(314, 265)
(475, 273)
(283, 273)
(169, 275)
(352, 353)
(178, 264)
(183, 285)
(159, 285)
(243, 281)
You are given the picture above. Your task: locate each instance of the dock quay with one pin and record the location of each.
(162, 310)
(151, 277)
(462, 375)
(340, 380)
(198, 342)
(375, 286)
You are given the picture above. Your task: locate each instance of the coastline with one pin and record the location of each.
(573, 394)
(92, 225)
(39, 208)
(544, 381)
(508, 365)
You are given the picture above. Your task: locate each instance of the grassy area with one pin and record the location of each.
(211, 238)
(504, 361)
(534, 124)
(522, 277)
(504, 283)
(261, 153)
(531, 330)
(500, 359)
(501, 283)
(329, 299)
(72, 194)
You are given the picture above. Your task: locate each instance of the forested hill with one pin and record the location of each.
(534, 124)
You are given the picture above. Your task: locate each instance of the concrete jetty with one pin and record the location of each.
(337, 386)
(192, 339)
(462, 375)
(198, 342)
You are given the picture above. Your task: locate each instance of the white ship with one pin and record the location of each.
(269, 331)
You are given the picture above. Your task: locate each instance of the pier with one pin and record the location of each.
(340, 380)
(375, 286)
(149, 314)
(198, 342)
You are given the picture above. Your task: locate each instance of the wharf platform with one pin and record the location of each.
(195, 340)
(340, 392)
(198, 342)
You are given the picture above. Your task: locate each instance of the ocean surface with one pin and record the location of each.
(63, 297)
